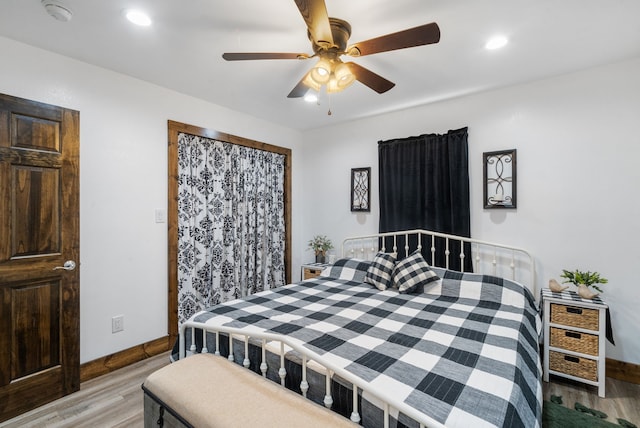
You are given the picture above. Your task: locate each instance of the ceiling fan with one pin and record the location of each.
(329, 38)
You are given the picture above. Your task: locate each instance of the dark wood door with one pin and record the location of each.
(39, 231)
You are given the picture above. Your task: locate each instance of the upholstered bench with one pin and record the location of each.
(205, 390)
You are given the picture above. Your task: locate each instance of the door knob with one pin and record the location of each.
(68, 265)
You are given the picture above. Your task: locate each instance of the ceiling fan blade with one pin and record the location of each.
(300, 90)
(239, 56)
(418, 36)
(370, 79)
(315, 15)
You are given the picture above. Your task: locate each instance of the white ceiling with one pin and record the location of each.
(182, 49)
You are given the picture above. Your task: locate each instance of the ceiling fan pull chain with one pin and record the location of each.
(329, 99)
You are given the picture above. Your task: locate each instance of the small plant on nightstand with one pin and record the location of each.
(584, 280)
(320, 244)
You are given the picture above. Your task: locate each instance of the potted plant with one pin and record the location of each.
(584, 280)
(320, 244)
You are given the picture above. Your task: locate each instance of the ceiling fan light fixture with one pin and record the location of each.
(332, 86)
(309, 82)
(344, 76)
(321, 72)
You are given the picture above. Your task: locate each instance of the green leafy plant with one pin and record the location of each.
(320, 244)
(590, 279)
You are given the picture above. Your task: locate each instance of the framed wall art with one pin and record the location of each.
(360, 185)
(499, 179)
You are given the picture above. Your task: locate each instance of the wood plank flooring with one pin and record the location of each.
(115, 400)
(111, 400)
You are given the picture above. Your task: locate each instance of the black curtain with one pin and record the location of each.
(424, 184)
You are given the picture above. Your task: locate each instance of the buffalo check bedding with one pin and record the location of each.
(463, 351)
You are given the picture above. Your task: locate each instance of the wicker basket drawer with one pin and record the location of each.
(580, 367)
(574, 316)
(573, 341)
(311, 273)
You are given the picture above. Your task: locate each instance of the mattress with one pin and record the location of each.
(463, 351)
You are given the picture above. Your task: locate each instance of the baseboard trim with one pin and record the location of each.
(109, 363)
(615, 369)
(620, 370)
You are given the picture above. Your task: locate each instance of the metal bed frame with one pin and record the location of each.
(488, 258)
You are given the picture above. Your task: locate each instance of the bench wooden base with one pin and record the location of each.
(205, 390)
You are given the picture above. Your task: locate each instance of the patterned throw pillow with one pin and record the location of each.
(412, 274)
(379, 273)
(348, 269)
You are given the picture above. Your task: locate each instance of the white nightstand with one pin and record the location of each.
(574, 337)
(311, 270)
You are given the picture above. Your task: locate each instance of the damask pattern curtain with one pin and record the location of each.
(231, 227)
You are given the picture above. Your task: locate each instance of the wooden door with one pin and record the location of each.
(39, 231)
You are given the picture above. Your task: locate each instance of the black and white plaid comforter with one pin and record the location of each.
(465, 352)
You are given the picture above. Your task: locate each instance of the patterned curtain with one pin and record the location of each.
(231, 230)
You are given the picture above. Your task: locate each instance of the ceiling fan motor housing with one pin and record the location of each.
(341, 31)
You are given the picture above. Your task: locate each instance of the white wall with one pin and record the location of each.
(578, 150)
(123, 179)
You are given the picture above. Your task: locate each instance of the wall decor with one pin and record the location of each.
(360, 184)
(499, 179)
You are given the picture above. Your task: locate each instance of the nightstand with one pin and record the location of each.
(311, 270)
(574, 337)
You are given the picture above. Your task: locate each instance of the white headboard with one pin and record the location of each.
(486, 257)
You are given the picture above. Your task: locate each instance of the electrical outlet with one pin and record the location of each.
(117, 323)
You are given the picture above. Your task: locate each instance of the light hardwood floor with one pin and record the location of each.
(115, 400)
(111, 400)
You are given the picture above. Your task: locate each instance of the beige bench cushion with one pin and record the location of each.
(210, 391)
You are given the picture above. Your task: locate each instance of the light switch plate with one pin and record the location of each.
(161, 216)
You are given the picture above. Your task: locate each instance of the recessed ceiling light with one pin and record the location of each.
(137, 17)
(496, 42)
(311, 98)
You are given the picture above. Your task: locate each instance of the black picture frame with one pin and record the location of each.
(499, 179)
(360, 189)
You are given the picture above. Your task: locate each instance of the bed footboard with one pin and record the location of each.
(358, 386)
